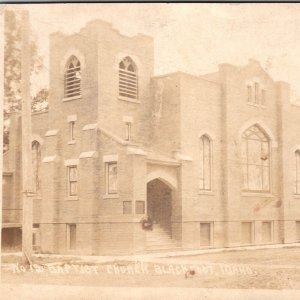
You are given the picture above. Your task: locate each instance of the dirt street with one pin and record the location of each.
(256, 269)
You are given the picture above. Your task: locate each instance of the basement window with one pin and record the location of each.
(71, 236)
(267, 232)
(205, 234)
(246, 233)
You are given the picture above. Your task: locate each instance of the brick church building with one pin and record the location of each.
(213, 160)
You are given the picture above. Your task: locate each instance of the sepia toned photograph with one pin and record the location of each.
(150, 151)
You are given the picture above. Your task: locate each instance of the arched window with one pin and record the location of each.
(256, 160)
(297, 173)
(36, 164)
(205, 157)
(128, 81)
(73, 78)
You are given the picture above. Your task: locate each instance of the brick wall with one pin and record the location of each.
(168, 118)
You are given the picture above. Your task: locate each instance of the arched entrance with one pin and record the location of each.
(159, 204)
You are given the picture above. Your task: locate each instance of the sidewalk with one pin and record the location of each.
(155, 256)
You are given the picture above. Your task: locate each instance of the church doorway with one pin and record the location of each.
(159, 204)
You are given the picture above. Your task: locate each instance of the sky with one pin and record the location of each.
(191, 37)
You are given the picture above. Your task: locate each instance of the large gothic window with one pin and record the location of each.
(128, 81)
(36, 165)
(73, 78)
(205, 168)
(256, 160)
(297, 173)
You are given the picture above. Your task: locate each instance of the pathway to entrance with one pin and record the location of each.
(159, 209)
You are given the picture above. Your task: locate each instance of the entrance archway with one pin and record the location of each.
(159, 204)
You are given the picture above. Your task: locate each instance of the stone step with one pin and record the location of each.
(159, 238)
(159, 230)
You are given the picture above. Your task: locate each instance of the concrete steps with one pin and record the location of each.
(159, 238)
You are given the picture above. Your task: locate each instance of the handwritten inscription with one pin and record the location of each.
(137, 268)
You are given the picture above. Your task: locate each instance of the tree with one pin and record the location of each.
(40, 101)
(12, 60)
(12, 65)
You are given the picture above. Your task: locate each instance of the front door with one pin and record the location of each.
(159, 203)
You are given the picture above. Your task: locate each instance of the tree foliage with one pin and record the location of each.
(12, 67)
(12, 60)
(40, 101)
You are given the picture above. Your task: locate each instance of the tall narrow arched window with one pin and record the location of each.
(255, 160)
(36, 165)
(297, 173)
(128, 80)
(205, 165)
(72, 78)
